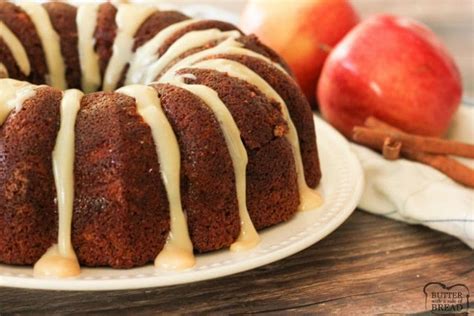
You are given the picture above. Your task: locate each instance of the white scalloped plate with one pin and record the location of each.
(341, 189)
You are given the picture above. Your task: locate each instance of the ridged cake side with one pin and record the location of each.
(246, 145)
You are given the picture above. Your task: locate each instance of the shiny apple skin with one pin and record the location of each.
(392, 68)
(301, 31)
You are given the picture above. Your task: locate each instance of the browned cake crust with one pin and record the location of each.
(22, 26)
(121, 214)
(272, 190)
(121, 210)
(105, 32)
(207, 174)
(254, 44)
(61, 15)
(152, 25)
(197, 26)
(258, 118)
(27, 192)
(155, 23)
(262, 127)
(298, 106)
(9, 62)
(182, 56)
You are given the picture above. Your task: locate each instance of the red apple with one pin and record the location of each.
(301, 31)
(392, 68)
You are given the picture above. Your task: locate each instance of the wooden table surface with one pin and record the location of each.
(369, 265)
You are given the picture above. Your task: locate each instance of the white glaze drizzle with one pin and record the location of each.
(86, 21)
(177, 253)
(228, 46)
(129, 18)
(248, 237)
(309, 198)
(145, 65)
(16, 48)
(185, 43)
(12, 95)
(50, 41)
(60, 260)
(55, 265)
(146, 54)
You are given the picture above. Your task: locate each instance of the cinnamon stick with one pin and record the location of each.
(449, 166)
(386, 138)
(391, 149)
(410, 142)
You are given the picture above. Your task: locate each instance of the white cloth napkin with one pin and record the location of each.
(418, 194)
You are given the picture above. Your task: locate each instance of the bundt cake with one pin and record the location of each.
(207, 139)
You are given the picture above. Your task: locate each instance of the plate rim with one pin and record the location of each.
(106, 284)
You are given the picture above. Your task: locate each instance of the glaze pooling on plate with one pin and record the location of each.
(61, 260)
(177, 253)
(342, 187)
(184, 47)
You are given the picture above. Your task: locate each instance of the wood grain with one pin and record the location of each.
(369, 265)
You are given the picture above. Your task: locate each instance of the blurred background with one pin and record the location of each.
(451, 20)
